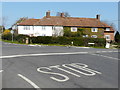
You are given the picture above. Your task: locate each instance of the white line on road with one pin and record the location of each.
(45, 54)
(105, 56)
(1, 71)
(29, 81)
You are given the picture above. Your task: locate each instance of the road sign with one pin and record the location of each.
(12, 31)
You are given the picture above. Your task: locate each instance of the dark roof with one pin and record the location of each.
(65, 21)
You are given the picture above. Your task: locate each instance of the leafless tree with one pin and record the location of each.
(3, 23)
(66, 14)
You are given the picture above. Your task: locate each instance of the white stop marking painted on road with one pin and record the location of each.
(76, 67)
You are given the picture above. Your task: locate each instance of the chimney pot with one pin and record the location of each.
(48, 14)
(98, 17)
(62, 14)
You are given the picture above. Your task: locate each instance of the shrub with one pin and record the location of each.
(7, 36)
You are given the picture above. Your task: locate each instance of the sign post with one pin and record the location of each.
(12, 32)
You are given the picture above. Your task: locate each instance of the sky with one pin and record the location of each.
(14, 10)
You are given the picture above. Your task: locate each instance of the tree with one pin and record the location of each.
(117, 37)
(6, 32)
(3, 23)
(66, 14)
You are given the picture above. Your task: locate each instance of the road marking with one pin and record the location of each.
(83, 69)
(1, 70)
(52, 73)
(29, 81)
(45, 54)
(58, 67)
(105, 56)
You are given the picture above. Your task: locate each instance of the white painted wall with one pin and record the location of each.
(36, 31)
(57, 31)
(39, 31)
(25, 32)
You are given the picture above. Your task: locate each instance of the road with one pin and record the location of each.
(28, 66)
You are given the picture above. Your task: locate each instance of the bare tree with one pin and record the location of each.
(3, 23)
(66, 14)
(110, 24)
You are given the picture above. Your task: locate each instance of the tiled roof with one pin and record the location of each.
(65, 21)
(28, 22)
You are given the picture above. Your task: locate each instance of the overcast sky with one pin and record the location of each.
(15, 10)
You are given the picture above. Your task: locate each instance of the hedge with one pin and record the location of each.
(20, 38)
(77, 41)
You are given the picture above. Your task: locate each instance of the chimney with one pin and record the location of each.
(61, 14)
(98, 17)
(48, 14)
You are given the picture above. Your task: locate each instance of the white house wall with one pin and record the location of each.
(36, 31)
(25, 32)
(39, 31)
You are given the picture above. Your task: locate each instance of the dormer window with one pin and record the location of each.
(73, 29)
(94, 29)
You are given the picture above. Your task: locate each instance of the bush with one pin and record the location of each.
(19, 38)
(77, 41)
(7, 36)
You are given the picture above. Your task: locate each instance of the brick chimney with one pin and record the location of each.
(98, 17)
(48, 14)
(61, 14)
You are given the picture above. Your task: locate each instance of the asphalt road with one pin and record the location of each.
(27, 66)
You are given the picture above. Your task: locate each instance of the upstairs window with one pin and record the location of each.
(107, 29)
(73, 29)
(94, 36)
(43, 27)
(94, 29)
(26, 28)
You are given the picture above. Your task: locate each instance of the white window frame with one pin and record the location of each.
(43, 27)
(33, 27)
(94, 36)
(73, 29)
(94, 29)
(26, 27)
(107, 36)
(107, 29)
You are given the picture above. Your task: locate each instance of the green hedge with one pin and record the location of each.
(20, 38)
(77, 41)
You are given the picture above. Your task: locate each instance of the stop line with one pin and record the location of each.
(76, 67)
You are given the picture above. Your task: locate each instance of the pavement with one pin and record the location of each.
(33, 66)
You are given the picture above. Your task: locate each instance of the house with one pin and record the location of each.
(55, 26)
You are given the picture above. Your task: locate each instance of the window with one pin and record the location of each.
(94, 29)
(85, 35)
(73, 29)
(94, 36)
(107, 29)
(107, 37)
(26, 28)
(53, 27)
(33, 27)
(43, 27)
